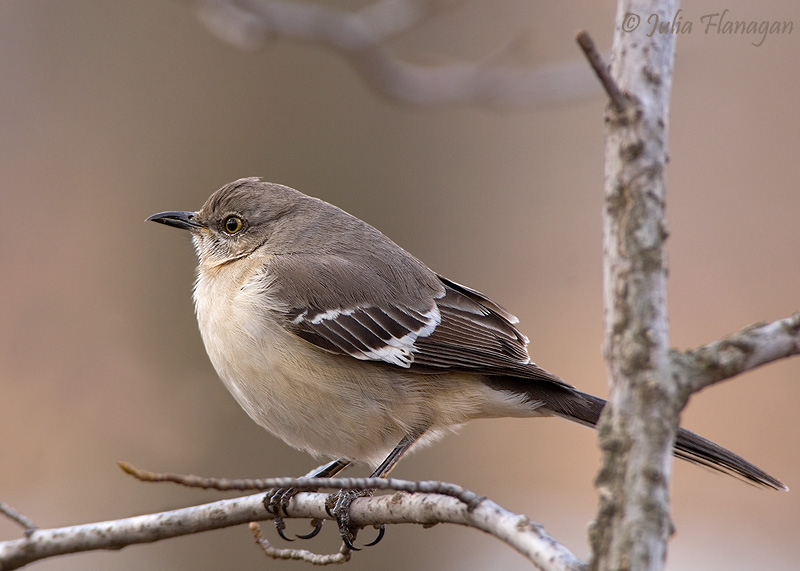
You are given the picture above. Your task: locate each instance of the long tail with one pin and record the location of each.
(585, 409)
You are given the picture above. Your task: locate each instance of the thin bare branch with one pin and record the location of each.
(44, 543)
(524, 535)
(27, 524)
(469, 498)
(601, 70)
(343, 556)
(361, 37)
(518, 531)
(742, 351)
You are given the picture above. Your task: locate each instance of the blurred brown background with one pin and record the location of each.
(110, 112)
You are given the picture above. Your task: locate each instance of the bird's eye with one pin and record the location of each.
(233, 224)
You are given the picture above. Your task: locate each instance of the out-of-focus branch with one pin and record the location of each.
(361, 36)
(460, 507)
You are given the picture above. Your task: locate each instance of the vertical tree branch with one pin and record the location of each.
(638, 427)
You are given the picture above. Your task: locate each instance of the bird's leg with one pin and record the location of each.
(338, 504)
(277, 499)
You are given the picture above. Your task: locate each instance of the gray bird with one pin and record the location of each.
(341, 343)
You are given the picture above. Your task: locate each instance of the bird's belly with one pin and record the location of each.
(302, 400)
(311, 409)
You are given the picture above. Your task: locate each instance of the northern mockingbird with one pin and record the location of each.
(337, 340)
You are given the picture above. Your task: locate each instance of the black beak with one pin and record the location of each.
(178, 219)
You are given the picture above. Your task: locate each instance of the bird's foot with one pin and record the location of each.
(338, 506)
(276, 501)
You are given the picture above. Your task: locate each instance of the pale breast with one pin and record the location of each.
(289, 386)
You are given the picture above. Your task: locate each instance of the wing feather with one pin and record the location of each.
(459, 330)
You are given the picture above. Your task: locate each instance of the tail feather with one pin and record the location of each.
(698, 450)
(585, 409)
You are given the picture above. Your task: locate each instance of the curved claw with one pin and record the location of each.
(348, 543)
(313, 533)
(275, 502)
(377, 540)
(280, 526)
